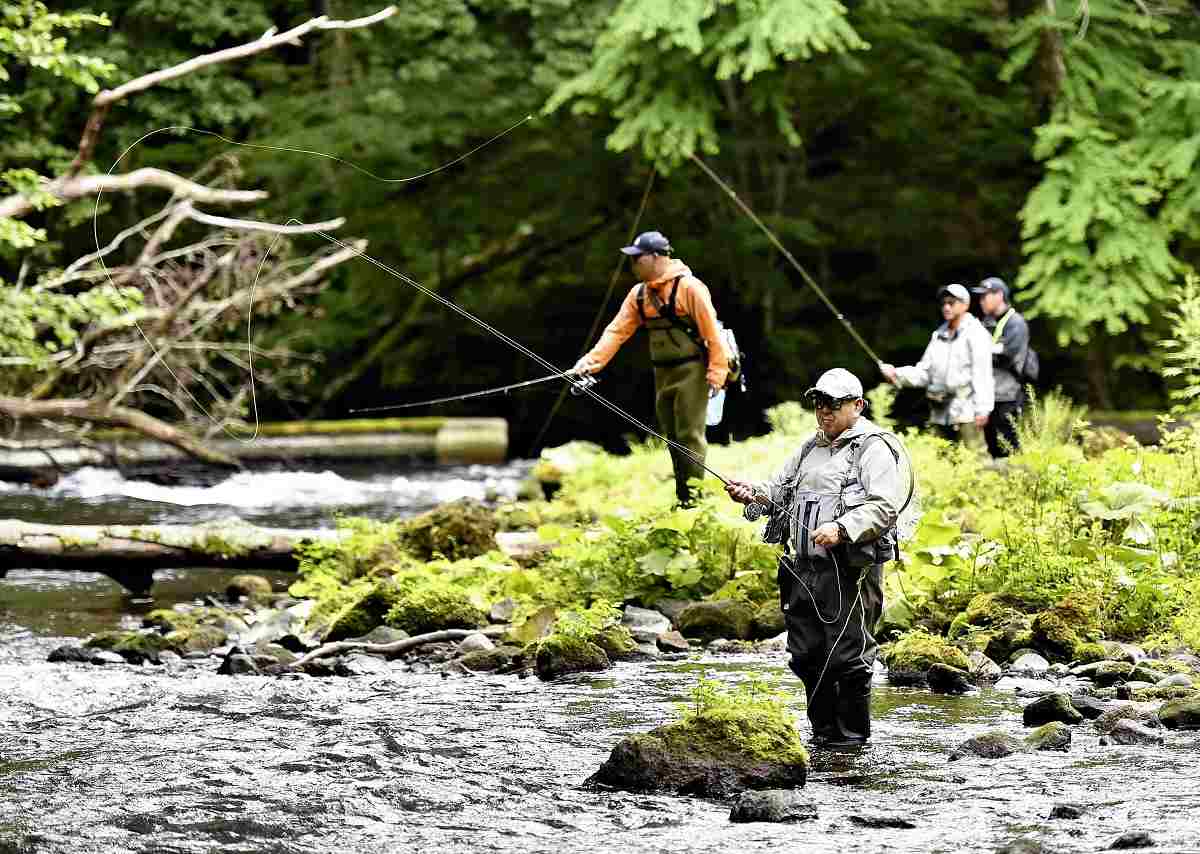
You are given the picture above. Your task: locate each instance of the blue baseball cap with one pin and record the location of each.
(649, 243)
(992, 283)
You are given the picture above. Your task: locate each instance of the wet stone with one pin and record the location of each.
(1071, 811)
(104, 656)
(1024, 845)
(359, 664)
(1133, 839)
(645, 620)
(1175, 680)
(478, 642)
(989, 745)
(1030, 664)
(944, 679)
(882, 822)
(70, 653)
(982, 668)
(1181, 714)
(673, 641)
(1051, 707)
(1132, 732)
(1128, 711)
(238, 664)
(1088, 706)
(774, 805)
(1112, 673)
(382, 635)
(485, 660)
(1052, 736)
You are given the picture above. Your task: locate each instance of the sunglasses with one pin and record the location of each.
(824, 401)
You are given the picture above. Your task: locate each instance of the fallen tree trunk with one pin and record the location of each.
(395, 647)
(230, 544)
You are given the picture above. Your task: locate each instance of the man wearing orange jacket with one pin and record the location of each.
(686, 351)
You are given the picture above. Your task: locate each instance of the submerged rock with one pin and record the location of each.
(726, 618)
(1181, 714)
(1132, 732)
(775, 805)
(1067, 811)
(1133, 839)
(712, 754)
(945, 679)
(1051, 707)
(989, 745)
(237, 663)
(1128, 711)
(1023, 845)
(560, 654)
(71, 653)
(1088, 706)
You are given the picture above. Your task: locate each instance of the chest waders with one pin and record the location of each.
(834, 655)
(680, 386)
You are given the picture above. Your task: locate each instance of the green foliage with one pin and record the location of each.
(1182, 348)
(752, 718)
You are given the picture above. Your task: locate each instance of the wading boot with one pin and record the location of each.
(822, 711)
(853, 716)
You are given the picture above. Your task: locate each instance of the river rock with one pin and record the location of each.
(1127, 652)
(486, 660)
(360, 664)
(458, 529)
(1112, 672)
(1023, 845)
(1181, 714)
(725, 618)
(989, 745)
(1175, 680)
(700, 757)
(1030, 664)
(1131, 732)
(1025, 685)
(1088, 706)
(1143, 673)
(882, 822)
(273, 653)
(944, 679)
(1133, 839)
(1067, 811)
(250, 586)
(1055, 735)
(1051, 707)
(559, 654)
(475, 643)
(644, 620)
(1127, 690)
(105, 656)
(71, 653)
(1138, 712)
(382, 635)
(237, 663)
(672, 641)
(672, 608)
(502, 611)
(768, 621)
(775, 805)
(982, 668)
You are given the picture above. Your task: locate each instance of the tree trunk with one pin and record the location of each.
(1097, 373)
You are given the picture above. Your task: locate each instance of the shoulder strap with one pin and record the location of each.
(999, 330)
(641, 301)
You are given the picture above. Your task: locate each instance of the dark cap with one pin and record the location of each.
(991, 283)
(649, 243)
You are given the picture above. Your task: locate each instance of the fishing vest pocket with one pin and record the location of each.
(669, 345)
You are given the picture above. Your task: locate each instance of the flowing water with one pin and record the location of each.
(179, 759)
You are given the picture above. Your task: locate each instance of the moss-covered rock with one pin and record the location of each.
(990, 745)
(1049, 708)
(768, 621)
(1181, 714)
(1090, 651)
(944, 679)
(616, 641)
(360, 617)
(1112, 673)
(711, 755)
(725, 618)
(134, 647)
(1055, 735)
(909, 658)
(197, 638)
(559, 654)
(1054, 637)
(168, 620)
(250, 586)
(460, 529)
(486, 660)
(433, 608)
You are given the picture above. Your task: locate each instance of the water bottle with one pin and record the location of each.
(716, 406)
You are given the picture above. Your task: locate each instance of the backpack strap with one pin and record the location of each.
(641, 302)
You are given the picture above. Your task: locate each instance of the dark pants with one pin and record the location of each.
(1001, 429)
(681, 403)
(830, 613)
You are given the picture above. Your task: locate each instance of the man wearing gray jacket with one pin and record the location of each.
(955, 371)
(1010, 349)
(833, 508)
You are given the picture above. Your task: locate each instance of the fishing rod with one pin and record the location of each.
(576, 384)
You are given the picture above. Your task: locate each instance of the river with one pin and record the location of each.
(179, 759)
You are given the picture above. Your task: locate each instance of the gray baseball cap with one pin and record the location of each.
(956, 291)
(838, 383)
(649, 243)
(992, 283)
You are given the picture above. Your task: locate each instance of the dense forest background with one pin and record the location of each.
(894, 145)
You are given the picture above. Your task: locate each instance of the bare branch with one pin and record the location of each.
(68, 188)
(80, 263)
(269, 227)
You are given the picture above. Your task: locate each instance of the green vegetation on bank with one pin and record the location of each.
(1072, 542)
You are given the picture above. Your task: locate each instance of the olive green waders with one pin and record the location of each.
(681, 398)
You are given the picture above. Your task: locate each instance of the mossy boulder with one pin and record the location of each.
(712, 755)
(1181, 714)
(433, 608)
(725, 618)
(768, 621)
(197, 638)
(1049, 708)
(1055, 735)
(560, 654)
(487, 660)
(134, 647)
(360, 617)
(1109, 673)
(616, 641)
(909, 657)
(250, 586)
(1090, 651)
(168, 620)
(460, 529)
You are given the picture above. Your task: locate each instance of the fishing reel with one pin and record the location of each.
(582, 384)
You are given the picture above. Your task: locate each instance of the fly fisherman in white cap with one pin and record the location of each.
(955, 371)
(833, 508)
